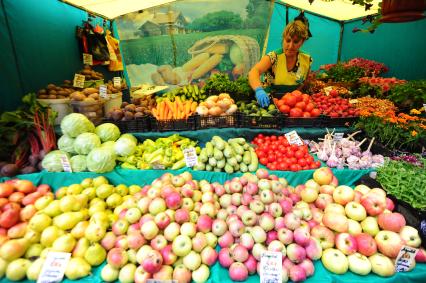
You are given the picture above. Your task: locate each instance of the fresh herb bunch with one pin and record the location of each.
(409, 95)
(405, 181)
(220, 82)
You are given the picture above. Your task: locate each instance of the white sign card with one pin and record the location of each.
(103, 91)
(87, 59)
(190, 156)
(116, 81)
(293, 138)
(405, 258)
(66, 163)
(79, 80)
(161, 281)
(271, 267)
(54, 267)
(338, 136)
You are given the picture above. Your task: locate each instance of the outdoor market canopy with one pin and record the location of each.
(341, 10)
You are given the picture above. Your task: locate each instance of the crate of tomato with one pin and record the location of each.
(299, 110)
(337, 111)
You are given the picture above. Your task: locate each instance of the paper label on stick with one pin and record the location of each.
(338, 136)
(271, 267)
(190, 156)
(293, 138)
(79, 80)
(103, 91)
(405, 258)
(66, 163)
(117, 82)
(53, 269)
(87, 59)
(424, 107)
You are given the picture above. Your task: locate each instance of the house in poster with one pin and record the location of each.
(172, 22)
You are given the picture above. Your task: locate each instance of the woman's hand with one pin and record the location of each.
(262, 97)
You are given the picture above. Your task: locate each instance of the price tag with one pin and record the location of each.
(117, 82)
(103, 91)
(338, 136)
(405, 258)
(271, 267)
(293, 138)
(157, 166)
(424, 107)
(54, 267)
(190, 156)
(66, 164)
(87, 59)
(353, 101)
(161, 281)
(79, 80)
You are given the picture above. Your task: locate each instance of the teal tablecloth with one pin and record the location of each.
(219, 274)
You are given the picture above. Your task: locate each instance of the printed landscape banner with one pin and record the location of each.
(186, 41)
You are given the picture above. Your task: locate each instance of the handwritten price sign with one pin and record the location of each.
(271, 267)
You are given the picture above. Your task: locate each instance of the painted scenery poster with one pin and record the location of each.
(187, 41)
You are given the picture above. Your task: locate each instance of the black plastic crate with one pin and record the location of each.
(122, 125)
(139, 125)
(222, 121)
(173, 124)
(290, 122)
(261, 122)
(339, 122)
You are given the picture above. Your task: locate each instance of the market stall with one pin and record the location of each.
(155, 161)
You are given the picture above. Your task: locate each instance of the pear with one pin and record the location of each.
(64, 243)
(90, 192)
(109, 273)
(74, 189)
(68, 220)
(32, 236)
(114, 200)
(99, 181)
(122, 190)
(86, 183)
(49, 235)
(67, 203)
(95, 254)
(127, 273)
(95, 232)
(45, 252)
(78, 230)
(100, 218)
(34, 251)
(81, 247)
(53, 209)
(3, 265)
(104, 191)
(43, 201)
(39, 222)
(61, 192)
(34, 269)
(77, 268)
(82, 201)
(17, 269)
(14, 249)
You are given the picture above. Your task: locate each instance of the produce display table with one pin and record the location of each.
(219, 274)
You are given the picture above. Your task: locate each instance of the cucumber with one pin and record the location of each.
(200, 166)
(209, 167)
(218, 142)
(218, 155)
(221, 163)
(229, 169)
(238, 149)
(237, 167)
(240, 141)
(203, 156)
(212, 162)
(247, 157)
(254, 161)
(239, 158)
(246, 146)
(243, 167)
(232, 161)
(228, 151)
(209, 149)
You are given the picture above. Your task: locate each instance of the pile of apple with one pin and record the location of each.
(17, 198)
(358, 230)
(164, 232)
(75, 222)
(255, 216)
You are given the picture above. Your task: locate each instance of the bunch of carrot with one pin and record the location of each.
(178, 109)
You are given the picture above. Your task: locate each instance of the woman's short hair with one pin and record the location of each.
(296, 28)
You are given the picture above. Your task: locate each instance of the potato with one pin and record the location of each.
(130, 107)
(78, 96)
(95, 96)
(117, 115)
(42, 91)
(62, 93)
(50, 86)
(43, 96)
(128, 115)
(51, 96)
(86, 72)
(52, 92)
(139, 115)
(90, 90)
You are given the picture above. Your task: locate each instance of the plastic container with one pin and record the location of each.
(261, 122)
(93, 83)
(92, 110)
(62, 106)
(290, 122)
(339, 122)
(173, 124)
(114, 101)
(222, 121)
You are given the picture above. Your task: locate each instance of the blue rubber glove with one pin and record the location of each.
(262, 97)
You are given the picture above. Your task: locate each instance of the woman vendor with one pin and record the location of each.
(285, 69)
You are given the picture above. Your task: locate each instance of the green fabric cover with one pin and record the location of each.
(219, 274)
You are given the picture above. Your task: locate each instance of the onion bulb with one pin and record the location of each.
(202, 110)
(232, 109)
(215, 111)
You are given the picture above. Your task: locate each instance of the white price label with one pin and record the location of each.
(190, 156)
(158, 166)
(338, 136)
(79, 80)
(271, 267)
(161, 281)
(66, 164)
(117, 82)
(405, 258)
(103, 91)
(424, 107)
(87, 59)
(54, 267)
(293, 138)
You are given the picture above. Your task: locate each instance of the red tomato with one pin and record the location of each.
(302, 162)
(284, 109)
(296, 112)
(292, 160)
(301, 105)
(290, 100)
(309, 107)
(306, 98)
(306, 115)
(315, 112)
(317, 164)
(293, 167)
(299, 154)
(289, 154)
(271, 158)
(310, 159)
(280, 103)
(263, 160)
(274, 138)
